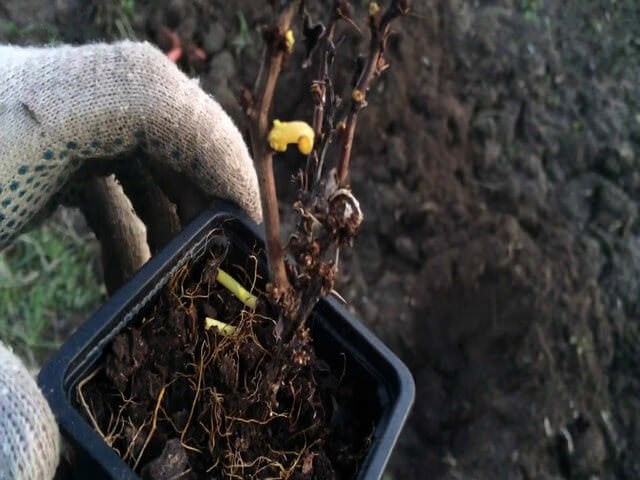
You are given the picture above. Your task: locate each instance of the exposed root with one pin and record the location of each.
(154, 425)
(84, 404)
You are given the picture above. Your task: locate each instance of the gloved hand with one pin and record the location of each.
(60, 107)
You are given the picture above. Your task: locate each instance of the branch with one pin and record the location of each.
(150, 203)
(319, 87)
(329, 214)
(258, 114)
(380, 26)
(121, 234)
(319, 93)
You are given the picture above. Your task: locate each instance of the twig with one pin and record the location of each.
(319, 87)
(375, 65)
(319, 93)
(259, 124)
(150, 203)
(122, 235)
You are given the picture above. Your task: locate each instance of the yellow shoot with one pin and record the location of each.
(223, 328)
(228, 282)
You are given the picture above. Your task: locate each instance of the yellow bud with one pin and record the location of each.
(290, 40)
(284, 133)
(358, 96)
(374, 8)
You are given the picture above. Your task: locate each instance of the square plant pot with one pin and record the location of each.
(384, 383)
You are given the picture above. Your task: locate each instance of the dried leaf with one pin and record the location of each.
(312, 32)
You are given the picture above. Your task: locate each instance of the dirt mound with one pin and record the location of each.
(497, 167)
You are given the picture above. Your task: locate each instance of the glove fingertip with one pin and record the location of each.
(29, 435)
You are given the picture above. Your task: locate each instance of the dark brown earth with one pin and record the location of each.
(176, 400)
(498, 170)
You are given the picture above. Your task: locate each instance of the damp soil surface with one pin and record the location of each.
(498, 168)
(177, 400)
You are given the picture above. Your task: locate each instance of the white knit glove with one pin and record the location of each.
(61, 106)
(29, 438)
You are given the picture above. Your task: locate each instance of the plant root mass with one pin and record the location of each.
(176, 399)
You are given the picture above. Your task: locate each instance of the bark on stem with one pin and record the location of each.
(319, 92)
(150, 203)
(380, 29)
(122, 235)
(259, 125)
(323, 77)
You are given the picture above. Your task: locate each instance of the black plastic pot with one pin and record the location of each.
(387, 385)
